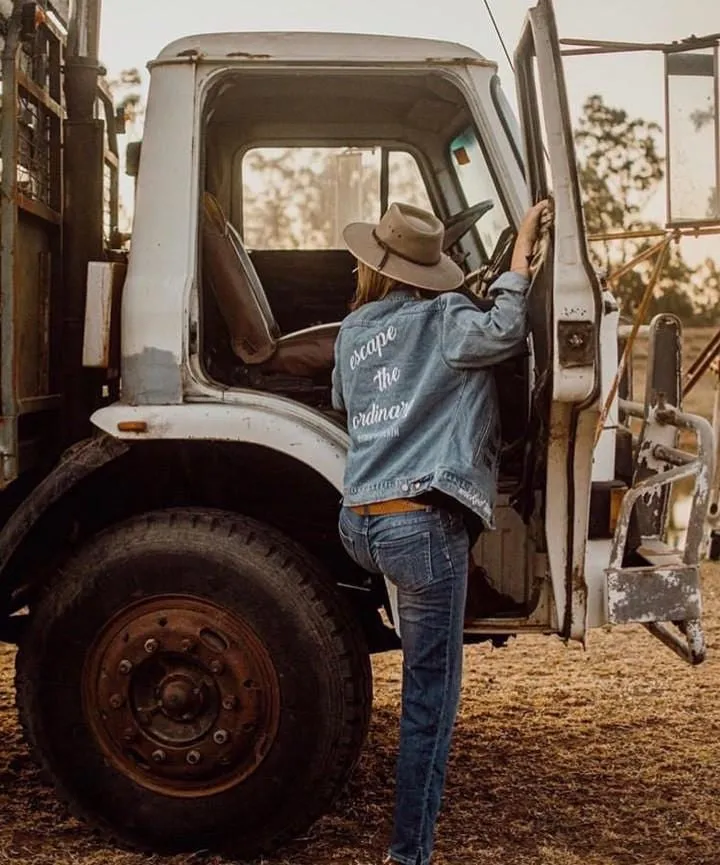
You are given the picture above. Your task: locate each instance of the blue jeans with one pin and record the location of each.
(425, 554)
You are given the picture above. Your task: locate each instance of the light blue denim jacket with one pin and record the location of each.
(415, 381)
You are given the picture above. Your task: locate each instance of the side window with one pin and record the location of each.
(477, 184)
(303, 197)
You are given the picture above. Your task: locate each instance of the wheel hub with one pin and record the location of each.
(181, 695)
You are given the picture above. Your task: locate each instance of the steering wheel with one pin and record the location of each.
(498, 262)
(459, 224)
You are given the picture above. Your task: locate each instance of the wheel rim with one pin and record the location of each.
(181, 695)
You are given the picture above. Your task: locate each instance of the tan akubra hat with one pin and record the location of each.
(406, 245)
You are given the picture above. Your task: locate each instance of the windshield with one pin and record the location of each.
(478, 184)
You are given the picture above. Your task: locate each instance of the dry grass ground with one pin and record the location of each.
(561, 757)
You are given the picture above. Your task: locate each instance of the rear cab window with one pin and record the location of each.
(303, 197)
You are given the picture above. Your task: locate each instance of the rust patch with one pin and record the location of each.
(181, 695)
(461, 61)
(246, 55)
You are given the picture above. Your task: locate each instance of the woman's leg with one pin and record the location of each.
(427, 557)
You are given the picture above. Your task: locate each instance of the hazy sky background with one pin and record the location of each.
(134, 31)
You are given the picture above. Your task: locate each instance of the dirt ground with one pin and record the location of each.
(561, 757)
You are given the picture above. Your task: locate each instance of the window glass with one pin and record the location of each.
(303, 197)
(477, 183)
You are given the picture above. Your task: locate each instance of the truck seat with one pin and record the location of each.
(255, 335)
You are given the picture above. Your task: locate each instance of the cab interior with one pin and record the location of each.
(289, 159)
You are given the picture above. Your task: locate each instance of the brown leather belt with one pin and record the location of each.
(393, 506)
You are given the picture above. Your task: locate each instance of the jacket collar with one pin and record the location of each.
(400, 295)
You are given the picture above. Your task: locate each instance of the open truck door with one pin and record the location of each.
(565, 310)
(635, 577)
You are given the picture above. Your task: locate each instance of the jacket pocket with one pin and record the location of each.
(406, 561)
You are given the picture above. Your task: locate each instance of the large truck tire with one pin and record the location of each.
(191, 679)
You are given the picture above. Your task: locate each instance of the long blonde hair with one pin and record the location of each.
(371, 285)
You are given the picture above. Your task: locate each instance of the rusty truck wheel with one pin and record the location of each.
(191, 679)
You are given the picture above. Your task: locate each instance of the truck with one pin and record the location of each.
(193, 665)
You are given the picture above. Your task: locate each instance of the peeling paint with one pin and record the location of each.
(246, 55)
(653, 594)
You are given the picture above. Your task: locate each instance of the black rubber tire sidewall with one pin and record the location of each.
(320, 660)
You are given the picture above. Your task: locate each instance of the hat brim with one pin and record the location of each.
(443, 276)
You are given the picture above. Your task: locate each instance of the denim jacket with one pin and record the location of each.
(415, 379)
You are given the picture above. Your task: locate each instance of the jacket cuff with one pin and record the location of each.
(510, 281)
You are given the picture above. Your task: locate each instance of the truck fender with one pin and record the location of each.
(273, 422)
(81, 460)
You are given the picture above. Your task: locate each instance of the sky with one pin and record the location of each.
(134, 31)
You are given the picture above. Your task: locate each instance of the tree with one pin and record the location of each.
(620, 169)
(701, 118)
(126, 92)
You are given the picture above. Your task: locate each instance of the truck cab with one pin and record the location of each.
(194, 666)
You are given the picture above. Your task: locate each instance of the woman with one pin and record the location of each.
(413, 373)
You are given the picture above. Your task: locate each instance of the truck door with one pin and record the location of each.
(565, 310)
(655, 586)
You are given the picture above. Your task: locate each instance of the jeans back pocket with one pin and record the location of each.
(406, 560)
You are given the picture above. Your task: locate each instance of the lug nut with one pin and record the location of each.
(187, 645)
(220, 737)
(193, 757)
(159, 756)
(116, 701)
(151, 646)
(229, 702)
(124, 667)
(216, 667)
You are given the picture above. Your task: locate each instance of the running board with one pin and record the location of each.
(664, 594)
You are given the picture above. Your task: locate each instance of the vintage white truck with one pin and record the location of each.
(194, 646)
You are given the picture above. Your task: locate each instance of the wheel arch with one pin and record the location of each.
(106, 480)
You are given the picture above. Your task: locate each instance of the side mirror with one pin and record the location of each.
(693, 135)
(132, 158)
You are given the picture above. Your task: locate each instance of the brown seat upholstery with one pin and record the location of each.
(254, 333)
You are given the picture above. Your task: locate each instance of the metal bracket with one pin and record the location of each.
(668, 590)
(576, 343)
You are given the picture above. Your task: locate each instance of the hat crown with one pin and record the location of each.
(411, 233)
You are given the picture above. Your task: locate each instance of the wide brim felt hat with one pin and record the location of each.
(406, 245)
